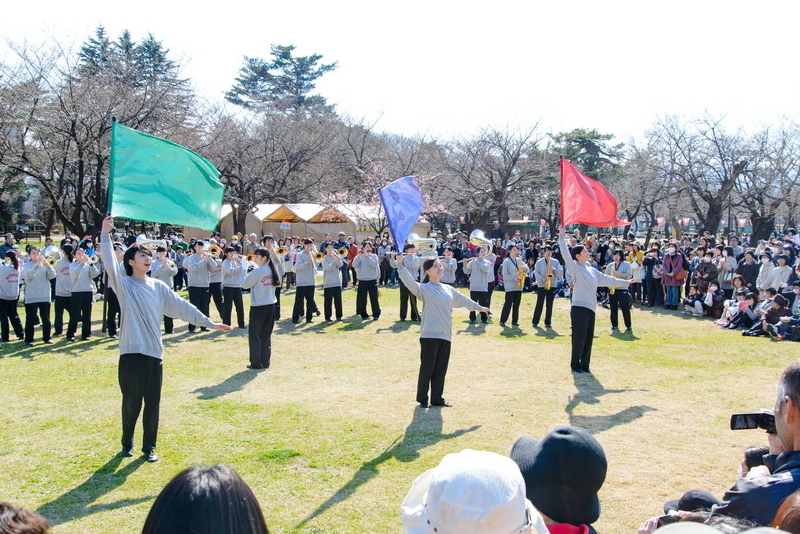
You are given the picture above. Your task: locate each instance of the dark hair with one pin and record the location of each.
(730, 252)
(619, 252)
(427, 264)
(130, 254)
(12, 255)
(771, 290)
(574, 251)
(228, 250)
(68, 252)
(407, 246)
(789, 383)
(740, 278)
(754, 455)
(694, 286)
(276, 280)
(161, 249)
(308, 241)
(22, 521)
(751, 296)
(787, 518)
(783, 257)
(750, 251)
(741, 292)
(206, 499)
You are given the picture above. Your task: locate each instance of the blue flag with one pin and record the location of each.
(402, 203)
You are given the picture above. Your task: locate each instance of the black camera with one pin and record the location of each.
(764, 419)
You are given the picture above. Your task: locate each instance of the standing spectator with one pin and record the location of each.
(748, 268)
(8, 245)
(765, 272)
(706, 272)
(497, 232)
(726, 264)
(672, 276)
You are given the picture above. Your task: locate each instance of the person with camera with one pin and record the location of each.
(758, 496)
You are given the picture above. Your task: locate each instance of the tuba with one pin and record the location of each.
(423, 245)
(478, 238)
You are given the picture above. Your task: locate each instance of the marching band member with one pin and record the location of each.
(411, 262)
(585, 280)
(548, 273)
(83, 273)
(164, 269)
(198, 268)
(113, 316)
(37, 275)
(268, 242)
(450, 266)
(306, 269)
(619, 299)
(215, 283)
(262, 282)
(511, 268)
(332, 282)
(234, 270)
(144, 301)
(436, 328)
(63, 291)
(368, 269)
(9, 295)
(480, 270)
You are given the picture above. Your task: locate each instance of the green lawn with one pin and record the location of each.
(329, 438)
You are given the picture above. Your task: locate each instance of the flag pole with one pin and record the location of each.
(108, 212)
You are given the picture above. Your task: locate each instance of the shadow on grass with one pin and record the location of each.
(512, 332)
(19, 349)
(624, 336)
(77, 502)
(229, 385)
(547, 333)
(589, 391)
(424, 430)
(473, 329)
(398, 326)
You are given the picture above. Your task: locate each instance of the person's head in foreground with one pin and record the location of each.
(470, 492)
(15, 520)
(206, 499)
(563, 473)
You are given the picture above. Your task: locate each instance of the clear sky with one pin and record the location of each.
(449, 68)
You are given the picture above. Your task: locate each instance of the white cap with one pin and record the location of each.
(471, 492)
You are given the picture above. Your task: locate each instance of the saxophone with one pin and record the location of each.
(548, 282)
(521, 274)
(614, 274)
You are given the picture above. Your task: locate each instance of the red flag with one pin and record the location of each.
(586, 201)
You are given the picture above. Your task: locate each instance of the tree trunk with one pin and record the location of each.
(762, 227)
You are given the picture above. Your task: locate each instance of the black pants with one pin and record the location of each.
(112, 312)
(333, 298)
(179, 280)
(511, 306)
(353, 277)
(215, 288)
(277, 303)
(232, 296)
(31, 310)
(405, 297)
(434, 358)
(140, 379)
(62, 303)
(344, 275)
(304, 294)
(544, 299)
(262, 321)
(636, 292)
(491, 290)
(200, 297)
(386, 273)
(582, 337)
(367, 287)
(620, 300)
(655, 292)
(9, 314)
(482, 298)
(80, 307)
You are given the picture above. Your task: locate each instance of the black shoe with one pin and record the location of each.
(70, 339)
(203, 329)
(48, 342)
(151, 456)
(364, 317)
(254, 367)
(772, 332)
(376, 317)
(535, 325)
(86, 338)
(485, 322)
(577, 370)
(548, 326)
(424, 405)
(243, 327)
(309, 321)
(295, 322)
(29, 343)
(317, 313)
(629, 330)
(586, 370)
(502, 324)
(443, 404)
(191, 330)
(614, 328)
(126, 452)
(472, 321)
(114, 336)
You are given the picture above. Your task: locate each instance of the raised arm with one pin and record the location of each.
(114, 269)
(462, 301)
(569, 263)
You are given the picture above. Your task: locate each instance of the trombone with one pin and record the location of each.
(319, 256)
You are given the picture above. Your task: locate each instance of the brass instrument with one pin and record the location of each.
(521, 274)
(319, 256)
(143, 241)
(7, 262)
(422, 244)
(215, 251)
(342, 251)
(53, 256)
(281, 251)
(478, 239)
(250, 257)
(548, 281)
(51, 262)
(94, 259)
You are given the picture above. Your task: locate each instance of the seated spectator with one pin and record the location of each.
(563, 474)
(15, 520)
(206, 499)
(753, 456)
(758, 498)
(763, 307)
(732, 307)
(747, 315)
(471, 492)
(693, 302)
(778, 322)
(712, 300)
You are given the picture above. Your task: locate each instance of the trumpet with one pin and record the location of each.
(342, 251)
(281, 251)
(215, 251)
(319, 256)
(94, 259)
(51, 262)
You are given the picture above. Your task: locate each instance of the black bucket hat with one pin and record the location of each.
(563, 473)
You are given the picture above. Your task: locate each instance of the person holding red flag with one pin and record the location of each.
(585, 201)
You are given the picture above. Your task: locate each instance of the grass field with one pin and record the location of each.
(330, 438)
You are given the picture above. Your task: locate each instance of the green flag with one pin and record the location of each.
(156, 180)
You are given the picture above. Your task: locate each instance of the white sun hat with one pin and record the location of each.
(471, 492)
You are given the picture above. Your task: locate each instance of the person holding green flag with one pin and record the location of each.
(143, 302)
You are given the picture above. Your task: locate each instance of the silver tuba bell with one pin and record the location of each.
(150, 243)
(424, 245)
(478, 239)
